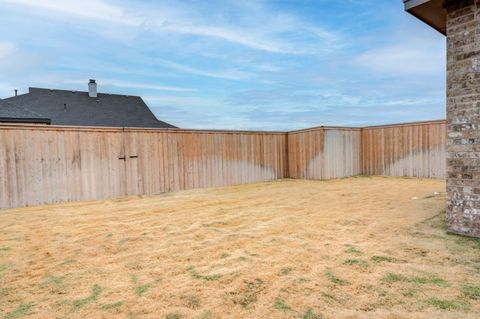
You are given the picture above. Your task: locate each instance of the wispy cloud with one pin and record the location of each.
(251, 64)
(90, 9)
(13, 59)
(230, 74)
(402, 59)
(145, 86)
(6, 49)
(266, 34)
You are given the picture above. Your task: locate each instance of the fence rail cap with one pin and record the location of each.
(14, 126)
(407, 124)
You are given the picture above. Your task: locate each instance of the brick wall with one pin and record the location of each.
(463, 115)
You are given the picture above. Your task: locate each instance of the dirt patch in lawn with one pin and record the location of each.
(351, 248)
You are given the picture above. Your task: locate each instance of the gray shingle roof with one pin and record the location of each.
(77, 108)
(8, 110)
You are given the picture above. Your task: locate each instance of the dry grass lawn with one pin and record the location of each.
(352, 248)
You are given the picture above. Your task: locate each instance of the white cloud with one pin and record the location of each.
(6, 50)
(184, 102)
(148, 86)
(262, 30)
(13, 60)
(231, 35)
(419, 52)
(231, 74)
(269, 68)
(402, 60)
(144, 86)
(91, 9)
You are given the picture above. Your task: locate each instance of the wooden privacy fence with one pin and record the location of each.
(50, 164)
(46, 164)
(324, 153)
(412, 149)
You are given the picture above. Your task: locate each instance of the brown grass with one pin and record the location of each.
(351, 248)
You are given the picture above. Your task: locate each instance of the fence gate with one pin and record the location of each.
(129, 158)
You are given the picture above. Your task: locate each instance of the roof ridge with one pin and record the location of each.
(75, 91)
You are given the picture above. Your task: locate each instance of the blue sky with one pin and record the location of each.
(229, 64)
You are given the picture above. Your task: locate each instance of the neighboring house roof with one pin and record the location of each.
(18, 114)
(78, 108)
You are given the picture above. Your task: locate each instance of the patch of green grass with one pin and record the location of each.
(286, 270)
(390, 277)
(22, 310)
(140, 289)
(310, 314)
(475, 241)
(352, 249)
(334, 279)
(377, 290)
(331, 297)
(4, 292)
(206, 315)
(123, 241)
(410, 293)
(224, 255)
(356, 262)
(429, 280)
(249, 295)
(445, 304)
(435, 222)
(5, 249)
(55, 283)
(256, 284)
(195, 274)
(3, 267)
(174, 315)
(302, 280)
(61, 303)
(111, 306)
(246, 299)
(52, 281)
(467, 241)
(472, 292)
(381, 259)
(280, 305)
(192, 302)
(79, 303)
(68, 261)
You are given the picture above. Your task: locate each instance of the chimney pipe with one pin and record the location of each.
(16, 92)
(92, 88)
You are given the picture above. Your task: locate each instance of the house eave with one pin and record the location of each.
(26, 120)
(431, 12)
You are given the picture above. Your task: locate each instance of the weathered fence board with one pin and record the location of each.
(324, 153)
(411, 149)
(46, 164)
(50, 164)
